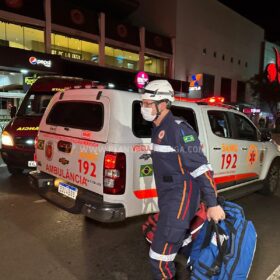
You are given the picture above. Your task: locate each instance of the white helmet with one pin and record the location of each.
(158, 90)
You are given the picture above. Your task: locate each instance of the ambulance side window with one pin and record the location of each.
(140, 127)
(77, 114)
(219, 123)
(245, 129)
(187, 114)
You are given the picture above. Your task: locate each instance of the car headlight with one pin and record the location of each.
(7, 139)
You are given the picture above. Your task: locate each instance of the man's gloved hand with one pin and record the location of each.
(215, 213)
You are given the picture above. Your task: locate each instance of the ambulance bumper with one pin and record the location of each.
(87, 203)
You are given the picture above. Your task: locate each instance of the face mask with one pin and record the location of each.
(147, 114)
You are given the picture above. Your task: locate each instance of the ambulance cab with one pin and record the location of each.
(93, 152)
(19, 134)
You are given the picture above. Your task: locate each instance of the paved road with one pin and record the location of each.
(39, 241)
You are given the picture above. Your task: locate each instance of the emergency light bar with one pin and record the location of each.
(209, 100)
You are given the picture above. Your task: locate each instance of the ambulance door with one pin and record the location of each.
(223, 150)
(144, 189)
(251, 149)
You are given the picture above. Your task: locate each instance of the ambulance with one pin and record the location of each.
(93, 152)
(19, 134)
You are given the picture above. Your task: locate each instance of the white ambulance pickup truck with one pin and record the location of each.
(93, 152)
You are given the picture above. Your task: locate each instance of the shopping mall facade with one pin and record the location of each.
(202, 47)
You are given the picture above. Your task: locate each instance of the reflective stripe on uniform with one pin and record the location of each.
(163, 148)
(159, 257)
(187, 241)
(201, 169)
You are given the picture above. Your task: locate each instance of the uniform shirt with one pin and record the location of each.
(177, 156)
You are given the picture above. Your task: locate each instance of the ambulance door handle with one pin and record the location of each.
(217, 148)
(244, 148)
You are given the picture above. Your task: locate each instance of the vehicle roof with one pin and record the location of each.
(115, 93)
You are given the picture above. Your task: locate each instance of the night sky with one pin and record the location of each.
(264, 13)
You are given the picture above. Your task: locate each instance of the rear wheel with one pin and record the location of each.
(14, 170)
(272, 180)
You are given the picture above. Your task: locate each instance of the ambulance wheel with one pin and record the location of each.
(14, 170)
(272, 180)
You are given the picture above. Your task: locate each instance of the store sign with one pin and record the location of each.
(273, 69)
(196, 82)
(142, 79)
(67, 54)
(251, 110)
(35, 61)
(30, 80)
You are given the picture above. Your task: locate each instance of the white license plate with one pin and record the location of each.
(67, 190)
(32, 163)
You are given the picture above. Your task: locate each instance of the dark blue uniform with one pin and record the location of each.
(181, 173)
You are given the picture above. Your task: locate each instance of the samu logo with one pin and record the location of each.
(34, 61)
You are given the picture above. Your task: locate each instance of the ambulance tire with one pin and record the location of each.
(272, 180)
(14, 170)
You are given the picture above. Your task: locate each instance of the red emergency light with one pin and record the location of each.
(209, 100)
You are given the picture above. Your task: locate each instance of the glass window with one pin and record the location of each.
(17, 36)
(142, 128)
(14, 34)
(74, 48)
(156, 65)
(77, 114)
(121, 58)
(34, 39)
(245, 129)
(219, 123)
(35, 104)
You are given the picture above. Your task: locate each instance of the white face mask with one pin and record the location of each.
(147, 114)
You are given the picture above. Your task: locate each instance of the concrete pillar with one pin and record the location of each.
(142, 49)
(217, 85)
(48, 26)
(102, 35)
(171, 64)
(233, 90)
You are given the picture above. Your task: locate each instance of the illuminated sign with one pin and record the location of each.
(142, 79)
(195, 82)
(67, 54)
(30, 80)
(273, 69)
(251, 110)
(35, 61)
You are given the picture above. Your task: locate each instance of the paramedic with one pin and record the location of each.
(181, 173)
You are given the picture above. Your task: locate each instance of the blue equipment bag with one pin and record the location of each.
(224, 251)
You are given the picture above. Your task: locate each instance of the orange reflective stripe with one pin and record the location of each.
(182, 201)
(210, 180)
(166, 265)
(180, 164)
(188, 202)
(160, 263)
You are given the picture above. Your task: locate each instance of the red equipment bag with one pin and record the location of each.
(149, 227)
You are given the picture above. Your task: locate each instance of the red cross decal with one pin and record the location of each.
(252, 157)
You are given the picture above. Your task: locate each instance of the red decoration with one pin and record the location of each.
(122, 30)
(15, 4)
(273, 69)
(77, 16)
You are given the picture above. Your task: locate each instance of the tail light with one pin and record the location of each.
(35, 146)
(114, 173)
(36, 142)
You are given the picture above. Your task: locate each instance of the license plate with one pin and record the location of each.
(67, 190)
(32, 163)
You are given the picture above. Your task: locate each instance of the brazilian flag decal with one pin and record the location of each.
(146, 170)
(188, 138)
